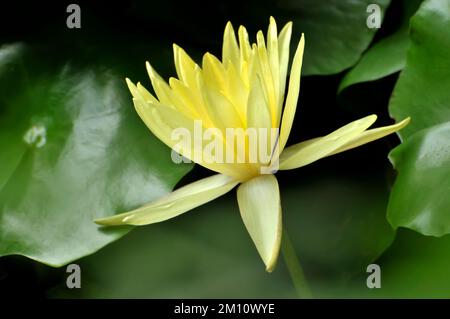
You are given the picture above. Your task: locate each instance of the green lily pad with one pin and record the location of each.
(336, 32)
(419, 198)
(75, 151)
(415, 266)
(422, 91)
(385, 57)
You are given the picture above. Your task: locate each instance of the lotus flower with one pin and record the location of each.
(246, 89)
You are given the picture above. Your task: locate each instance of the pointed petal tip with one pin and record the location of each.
(99, 221)
(177, 49)
(370, 119)
(108, 221)
(260, 36)
(287, 28)
(270, 267)
(128, 81)
(406, 121)
(271, 264)
(148, 66)
(272, 21)
(260, 209)
(131, 86)
(150, 70)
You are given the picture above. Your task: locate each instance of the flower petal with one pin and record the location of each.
(274, 61)
(304, 153)
(175, 203)
(259, 204)
(185, 67)
(292, 96)
(372, 135)
(267, 79)
(162, 120)
(230, 48)
(161, 88)
(258, 112)
(220, 110)
(244, 44)
(284, 39)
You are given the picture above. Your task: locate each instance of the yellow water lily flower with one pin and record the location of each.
(246, 89)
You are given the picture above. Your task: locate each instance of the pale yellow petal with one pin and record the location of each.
(147, 112)
(237, 92)
(307, 152)
(173, 120)
(259, 204)
(372, 135)
(214, 73)
(175, 203)
(230, 48)
(221, 111)
(284, 40)
(148, 97)
(185, 67)
(244, 44)
(292, 96)
(258, 112)
(189, 102)
(270, 89)
(160, 87)
(272, 51)
(162, 120)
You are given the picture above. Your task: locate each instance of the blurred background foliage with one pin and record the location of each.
(342, 213)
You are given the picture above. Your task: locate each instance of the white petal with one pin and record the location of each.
(175, 203)
(259, 204)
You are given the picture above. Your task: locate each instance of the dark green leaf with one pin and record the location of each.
(422, 90)
(386, 57)
(420, 198)
(75, 151)
(336, 32)
(415, 266)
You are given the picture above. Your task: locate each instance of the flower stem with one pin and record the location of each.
(294, 267)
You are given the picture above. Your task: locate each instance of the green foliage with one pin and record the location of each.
(336, 32)
(73, 149)
(420, 198)
(386, 56)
